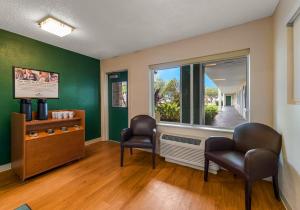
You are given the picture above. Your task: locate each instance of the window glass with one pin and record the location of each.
(210, 94)
(119, 94)
(167, 94)
(225, 93)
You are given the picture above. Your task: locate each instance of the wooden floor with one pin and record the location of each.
(97, 182)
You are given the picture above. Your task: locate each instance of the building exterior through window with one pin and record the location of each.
(210, 94)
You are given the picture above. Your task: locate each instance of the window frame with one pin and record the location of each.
(201, 60)
(291, 99)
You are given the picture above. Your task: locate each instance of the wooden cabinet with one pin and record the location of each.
(33, 155)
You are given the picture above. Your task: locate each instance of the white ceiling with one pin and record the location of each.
(234, 73)
(108, 28)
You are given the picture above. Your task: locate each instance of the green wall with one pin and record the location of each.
(79, 82)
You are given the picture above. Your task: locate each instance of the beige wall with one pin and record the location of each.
(286, 116)
(265, 49)
(255, 35)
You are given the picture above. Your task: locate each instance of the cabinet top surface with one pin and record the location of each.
(39, 122)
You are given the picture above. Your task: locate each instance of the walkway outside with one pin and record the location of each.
(228, 118)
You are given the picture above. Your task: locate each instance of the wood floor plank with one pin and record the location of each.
(98, 182)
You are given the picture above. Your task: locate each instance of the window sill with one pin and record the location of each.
(205, 128)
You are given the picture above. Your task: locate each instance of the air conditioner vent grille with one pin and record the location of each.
(185, 151)
(181, 139)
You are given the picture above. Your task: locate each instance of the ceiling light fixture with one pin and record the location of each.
(219, 79)
(210, 64)
(56, 27)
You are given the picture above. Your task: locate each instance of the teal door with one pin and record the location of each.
(228, 100)
(118, 103)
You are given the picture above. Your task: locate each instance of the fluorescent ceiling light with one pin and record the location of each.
(210, 64)
(219, 79)
(56, 27)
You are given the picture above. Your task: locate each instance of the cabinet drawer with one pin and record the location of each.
(48, 152)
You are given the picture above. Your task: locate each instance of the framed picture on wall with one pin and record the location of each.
(32, 83)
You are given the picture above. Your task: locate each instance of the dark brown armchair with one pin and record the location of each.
(253, 154)
(141, 134)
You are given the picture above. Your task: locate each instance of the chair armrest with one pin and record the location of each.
(260, 163)
(218, 143)
(126, 133)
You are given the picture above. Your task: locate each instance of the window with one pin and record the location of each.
(204, 94)
(292, 57)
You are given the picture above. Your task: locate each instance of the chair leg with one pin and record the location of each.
(153, 158)
(206, 166)
(275, 186)
(248, 189)
(131, 151)
(122, 155)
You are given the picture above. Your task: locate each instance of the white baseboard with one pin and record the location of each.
(268, 179)
(5, 167)
(284, 201)
(113, 141)
(92, 141)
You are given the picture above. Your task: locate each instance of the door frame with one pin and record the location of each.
(226, 100)
(106, 103)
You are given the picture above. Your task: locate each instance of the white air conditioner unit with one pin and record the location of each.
(185, 151)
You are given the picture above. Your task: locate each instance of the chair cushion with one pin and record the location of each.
(231, 160)
(139, 141)
(255, 135)
(142, 125)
